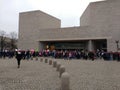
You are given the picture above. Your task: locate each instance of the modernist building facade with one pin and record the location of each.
(99, 29)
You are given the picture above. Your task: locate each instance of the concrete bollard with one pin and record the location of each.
(62, 70)
(41, 60)
(65, 81)
(50, 62)
(46, 60)
(54, 63)
(58, 66)
(36, 58)
(31, 57)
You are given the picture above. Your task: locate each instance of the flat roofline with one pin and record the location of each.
(60, 28)
(75, 39)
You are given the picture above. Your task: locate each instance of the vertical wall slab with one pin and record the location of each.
(41, 46)
(111, 45)
(90, 45)
(30, 24)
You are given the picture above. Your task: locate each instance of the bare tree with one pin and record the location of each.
(2, 39)
(13, 38)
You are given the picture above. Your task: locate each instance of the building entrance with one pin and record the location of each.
(65, 45)
(72, 45)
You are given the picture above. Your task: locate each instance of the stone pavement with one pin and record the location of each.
(32, 75)
(93, 75)
(36, 75)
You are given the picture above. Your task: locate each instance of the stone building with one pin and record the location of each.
(99, 29)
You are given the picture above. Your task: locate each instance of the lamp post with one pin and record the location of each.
(117, 41)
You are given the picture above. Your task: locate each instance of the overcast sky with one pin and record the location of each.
(69, 11)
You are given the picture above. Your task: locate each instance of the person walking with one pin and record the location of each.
(18, 57)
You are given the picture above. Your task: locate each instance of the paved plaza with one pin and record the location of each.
(37, 75)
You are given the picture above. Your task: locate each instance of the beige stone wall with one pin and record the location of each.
(72, 33)
(101, 20)
(30, 24)
(104, 17)
(85, 18)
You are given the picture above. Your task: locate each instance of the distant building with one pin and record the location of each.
(100, 29)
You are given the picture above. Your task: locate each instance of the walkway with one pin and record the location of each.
(33, 75)
(36, 75)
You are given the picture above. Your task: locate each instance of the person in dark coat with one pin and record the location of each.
(91, 55)
(18, 57)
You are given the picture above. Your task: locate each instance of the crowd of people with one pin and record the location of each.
(82, 54)
(63, 54)
(7, 53)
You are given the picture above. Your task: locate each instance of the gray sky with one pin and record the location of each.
(69, 11)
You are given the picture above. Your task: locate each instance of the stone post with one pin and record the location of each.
(58, 66)
(36, 58)
(65, 81)
(31, 57)
(50, 62)
(62, 70)
(46, 60)
(54, 63)
(41, 60)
